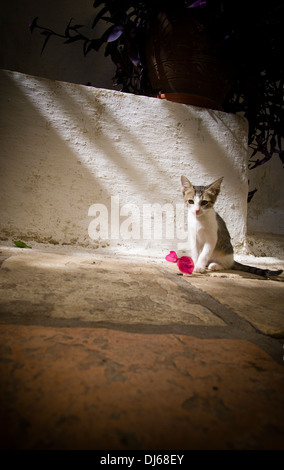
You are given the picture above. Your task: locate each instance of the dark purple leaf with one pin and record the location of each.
(198, 3)
(134, 55)
(265, 159)
(33, 24)
(108, 50)
(136, 62)
(115, 33)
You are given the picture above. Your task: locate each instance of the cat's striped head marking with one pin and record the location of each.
(200, 198)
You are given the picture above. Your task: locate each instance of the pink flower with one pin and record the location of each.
(184, 263)
(172, 257)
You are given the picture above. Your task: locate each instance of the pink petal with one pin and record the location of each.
(185, 265)
(172, 257)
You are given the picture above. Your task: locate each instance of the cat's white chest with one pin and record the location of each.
(203, 229)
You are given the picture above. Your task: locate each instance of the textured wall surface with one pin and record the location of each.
(73, 156)
(21, 51)
(266, 209)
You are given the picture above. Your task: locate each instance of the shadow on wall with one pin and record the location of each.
(110, 141)
(67, 147)
(46, 190)
(21, 51)
(215, 146)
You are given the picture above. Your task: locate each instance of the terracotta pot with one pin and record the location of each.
(188, 98)
(182, 59)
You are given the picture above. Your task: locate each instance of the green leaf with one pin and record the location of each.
(20, 244)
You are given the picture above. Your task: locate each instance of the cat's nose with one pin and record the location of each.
(197, 211)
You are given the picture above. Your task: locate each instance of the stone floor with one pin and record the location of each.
(101, 352)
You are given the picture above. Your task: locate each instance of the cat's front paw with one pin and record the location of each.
(214, 267)
(199, 269)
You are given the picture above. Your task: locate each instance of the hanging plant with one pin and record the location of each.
(250, 34)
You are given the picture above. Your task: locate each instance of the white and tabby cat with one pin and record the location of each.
(210, 240)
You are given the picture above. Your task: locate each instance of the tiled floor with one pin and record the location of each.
(112, 354)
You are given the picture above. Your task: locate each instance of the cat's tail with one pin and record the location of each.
(258, 271)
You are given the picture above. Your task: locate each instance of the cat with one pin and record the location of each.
(210, 239)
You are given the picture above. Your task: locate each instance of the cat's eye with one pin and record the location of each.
(190, 201)
(204, 203)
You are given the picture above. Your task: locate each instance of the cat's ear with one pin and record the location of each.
(185, 184)
(216, 186)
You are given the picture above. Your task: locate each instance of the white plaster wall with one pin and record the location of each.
(66, 147)
(266, 209)
(20, 51)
